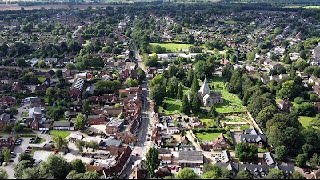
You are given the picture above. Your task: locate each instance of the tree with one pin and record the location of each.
(41, 64)
(3, 174)
(36, 173)
(275, 174)
(180, 91)
(80, 144)
(25, 156)
(60, 143)
(57, 166)
(78, 166)
(216, 172)
(314, 161)
(281, 152)
(195, 85)
(132, 82)
(186, 173)
(297, 175)
(152, 160)
(213, 113)
(201, 69)
(243, 175)
(265, 114)
(195, 103)
(22, 165)
(93, 145)
(141, 75)
(86, 109)
(59, 73)
(81, 121)
(157, 94)
(87, 175)
(185, 107)
(301, 160)
(6, 154)
(246, 152)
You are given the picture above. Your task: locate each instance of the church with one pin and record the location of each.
(208, 97)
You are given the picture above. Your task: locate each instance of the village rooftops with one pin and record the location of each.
(115, 122)
(190, 157)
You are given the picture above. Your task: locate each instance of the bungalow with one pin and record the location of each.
(62, 125)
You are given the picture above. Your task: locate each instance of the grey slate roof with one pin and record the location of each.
(61, 124)
(190, 157)
(250, 138)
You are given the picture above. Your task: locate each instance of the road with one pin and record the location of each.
(143, 145)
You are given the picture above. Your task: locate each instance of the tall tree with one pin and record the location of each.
(180, 91)
(60, 143)
(195, 103)
(246, 152)
(81, 121)
(57, 166)
(185, 107)
(152, 160)
(243, 175)
(281, 152)
(301, 160)
(195, 85)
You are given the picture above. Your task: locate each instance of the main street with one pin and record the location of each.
(143, 144)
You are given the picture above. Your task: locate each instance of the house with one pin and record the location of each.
(268, 159)
(114, 125)
(284, 105)
(223, 156)
(190, 158)
(139, 170)
(32, 102)
(109, 143)
(220, 143)
(126, 137)
(6, 143)
(207, 97)
(4, 120)
(122, 161)
(8, 101)
(62, 125)
(259, 140)
(258, 171)
(97, 119)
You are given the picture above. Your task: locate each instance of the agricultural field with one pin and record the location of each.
(173, 47)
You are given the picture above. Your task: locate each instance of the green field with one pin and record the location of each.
(173, 47)
(207, 121)
(231, 103)
(207, 136)
(173, 106)
(305, 7)
(41, 79)
(63, 134)
(305, 120)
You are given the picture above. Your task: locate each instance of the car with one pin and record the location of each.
(32, 139)
(27, 151)
(11, 160)
(17, 143)
(42, 132)
(29, 147)
(50, 141)
(13, 156)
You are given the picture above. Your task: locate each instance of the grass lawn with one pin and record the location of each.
(173, 47)
(24, 114)
(207, 136)
(41, 79)
(56, 133)
(231, 102)
(262, 150)
(207, 121)
(173, 106)
(305, 120)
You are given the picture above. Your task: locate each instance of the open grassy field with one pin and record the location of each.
(305, 120)
(231, 103)
(207, 136)
(41, 79)
(173, 106)
(56, 133)
(207, 121)
(173, 47)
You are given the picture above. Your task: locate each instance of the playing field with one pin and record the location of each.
(173, 47)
